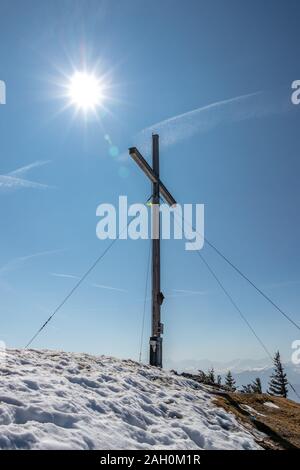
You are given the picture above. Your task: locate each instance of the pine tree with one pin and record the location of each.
(202, 377)
(246, 388)
(219, 380)
(211, 376)
(230, 382)
(278, 383)
(256, 386)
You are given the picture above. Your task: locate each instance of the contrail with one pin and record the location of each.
(9, 182)
(67, 276)
(201, 120)
(99, 286)
(190, 292)
(25, 169)
(14, 263)
(14, 179)
(103, 286)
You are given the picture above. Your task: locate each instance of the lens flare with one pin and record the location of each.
(85, 91)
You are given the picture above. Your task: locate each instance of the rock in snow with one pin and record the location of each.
(59, 400)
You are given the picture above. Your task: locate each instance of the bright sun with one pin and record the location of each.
(85, 91)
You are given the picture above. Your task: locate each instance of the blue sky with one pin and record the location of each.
(162, 59)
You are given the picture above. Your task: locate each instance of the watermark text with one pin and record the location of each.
(295, 97)
(2, 92)
(176, 222)
(296, 354)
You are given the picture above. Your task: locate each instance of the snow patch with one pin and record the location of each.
(58, 400)
(271, 405)
(250, 410)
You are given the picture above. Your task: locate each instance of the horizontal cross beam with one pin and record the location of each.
(144, 165)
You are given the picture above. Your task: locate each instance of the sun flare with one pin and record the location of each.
(85, 91)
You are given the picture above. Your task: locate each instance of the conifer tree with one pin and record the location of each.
(230, 382)
(202, 376)
(219, 380)
(278, 383)
(256, 386)
(246, 388)
(211, 376)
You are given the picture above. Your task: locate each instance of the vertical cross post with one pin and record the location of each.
(156, 339)
(158, 188)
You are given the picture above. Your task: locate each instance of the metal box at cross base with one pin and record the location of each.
(156, 351)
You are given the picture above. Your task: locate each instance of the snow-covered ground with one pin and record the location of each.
(59, 400)
(271, 405)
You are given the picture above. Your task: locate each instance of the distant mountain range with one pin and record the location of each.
(243, 370)
(236, 365)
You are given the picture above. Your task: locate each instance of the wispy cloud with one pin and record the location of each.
(19, 261)
(13, 181)
(66, 276)
(190, 292)
(102, 286)
(276, 285)
(24, 169)
(99, 286)
(204, 119)
(10, 183)
(177, 293)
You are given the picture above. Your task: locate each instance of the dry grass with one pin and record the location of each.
(281, 425)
